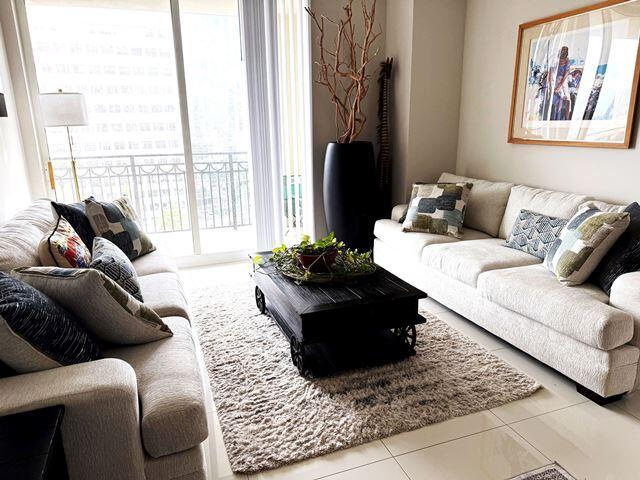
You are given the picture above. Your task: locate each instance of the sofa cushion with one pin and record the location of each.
(154, 262)
(112, 261)
(440, 211)
(534, 233)
(36, 333)
(102, 306)
(545, 202)
(580, 312)
(163, 293)
(465, 261)
(62, 247)
(118, 222)
(170, 390)
(76, 215)
(411, 244)
(486, 204)
(624, 256)
(583, 242)
(20, 236)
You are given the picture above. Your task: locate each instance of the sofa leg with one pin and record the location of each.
(594, 397)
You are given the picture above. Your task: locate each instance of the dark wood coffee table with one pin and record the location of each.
(332, 328)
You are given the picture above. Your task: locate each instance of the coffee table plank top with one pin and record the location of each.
(307, 299)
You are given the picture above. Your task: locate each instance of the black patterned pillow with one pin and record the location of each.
(534, 233)
(116, 221)
(36, 333)
(76, 215)
(624, 256)
(112, 261)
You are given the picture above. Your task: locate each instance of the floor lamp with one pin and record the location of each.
(63, 109)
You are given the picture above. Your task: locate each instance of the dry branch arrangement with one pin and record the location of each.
(343, 67)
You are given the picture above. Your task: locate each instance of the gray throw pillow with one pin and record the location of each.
(36, 333)
(102, 306)
(117, 221)
(112, 261)
(534, 233)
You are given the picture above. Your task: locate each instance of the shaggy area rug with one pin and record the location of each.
(271, 416)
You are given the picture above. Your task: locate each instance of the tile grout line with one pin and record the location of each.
(529, 443)
(539, 414)
(351, 468)
(504, 424)
(450, 440)
(395, 459)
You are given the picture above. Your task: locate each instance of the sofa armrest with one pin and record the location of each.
(101, 424)
(399, 211)
(625, 295)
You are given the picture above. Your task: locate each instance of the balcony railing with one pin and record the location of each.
(157, 184)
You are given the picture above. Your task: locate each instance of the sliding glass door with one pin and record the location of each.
(165, 83)
(218, 122)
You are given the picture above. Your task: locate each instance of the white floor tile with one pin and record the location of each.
(495, 454)
(432, 306)
(441, 432)
(557, 392)
(384, 470)
(473, 331)
(328, 464)
(590, 441)
(630, 403)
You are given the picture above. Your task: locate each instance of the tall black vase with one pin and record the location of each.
(349, 190)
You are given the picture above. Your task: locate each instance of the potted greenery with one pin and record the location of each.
(349, 168)
(318, 256)
(324, 261)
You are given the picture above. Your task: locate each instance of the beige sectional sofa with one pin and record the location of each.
(139, 412)
(580, 331)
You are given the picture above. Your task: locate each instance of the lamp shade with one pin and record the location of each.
(63, 109)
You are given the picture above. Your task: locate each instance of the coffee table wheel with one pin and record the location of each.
(260, 301)
(407, 334)
(297, 356)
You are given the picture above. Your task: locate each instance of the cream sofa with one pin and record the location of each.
(139, 412)
(588, 336)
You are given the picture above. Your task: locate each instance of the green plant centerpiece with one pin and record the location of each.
(324, 261)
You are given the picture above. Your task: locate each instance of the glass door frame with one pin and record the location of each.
(267, 218)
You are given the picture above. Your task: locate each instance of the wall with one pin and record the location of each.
(14, 190)
(426, 39)
(483, 151)
(322, 108)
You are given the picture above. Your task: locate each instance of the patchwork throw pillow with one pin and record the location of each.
(534, 233)
(36, 333)
(102, 306)
(63, 247)
(418, 188)
(117, 222)
(440, 212)
(112, 261)
(75, 214)
(583, 242)
(624, 256)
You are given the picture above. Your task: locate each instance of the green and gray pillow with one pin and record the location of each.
(102, 306)
(440, 209)
(583, 242)
(117, 222)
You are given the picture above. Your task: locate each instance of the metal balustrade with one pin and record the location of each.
(157, 185)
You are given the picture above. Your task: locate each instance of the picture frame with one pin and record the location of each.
(576, 77)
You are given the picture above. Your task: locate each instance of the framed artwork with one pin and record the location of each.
(576, 77)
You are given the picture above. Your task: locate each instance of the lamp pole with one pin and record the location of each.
(74, 172)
